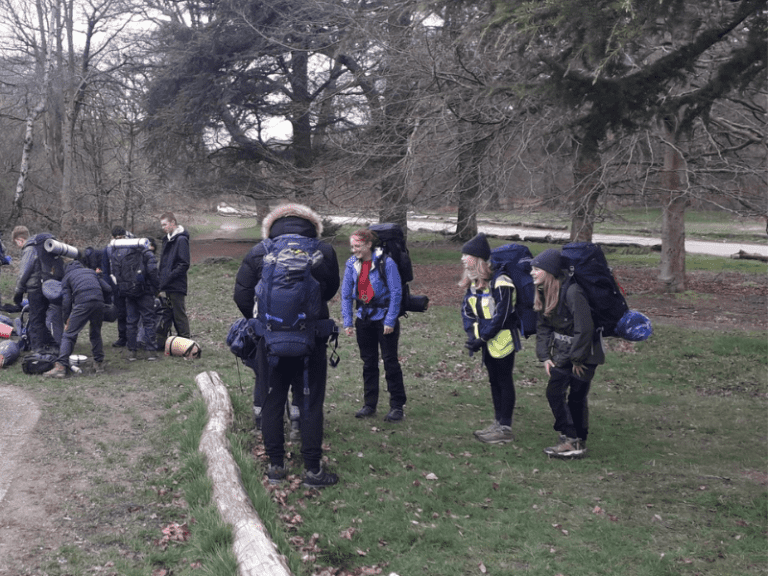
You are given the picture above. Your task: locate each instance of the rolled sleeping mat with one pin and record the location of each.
(9, 352)
(52, 290)
(184, 347)
(5, 330)
(130, 243)
(61, 249)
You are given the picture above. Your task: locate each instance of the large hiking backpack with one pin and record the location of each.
(289, 301)
(127, 268)
(514, 260)
(51, 264)
(392, 242)
(589, 269)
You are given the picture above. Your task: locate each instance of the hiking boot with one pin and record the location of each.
(132, 356)
(119, 343)
(394, 415)
(257, 417)
(567, 448)
(98, 367)
(295, 433)
(499, 435)
(151, 356)
(365, 412)
(319, 479)
(487, 430)
(275, 474)
(58, 371)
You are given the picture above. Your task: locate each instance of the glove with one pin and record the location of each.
(7, 260)
(474, 345)
(17, 298)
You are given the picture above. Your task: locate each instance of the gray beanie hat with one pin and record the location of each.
(549, 261)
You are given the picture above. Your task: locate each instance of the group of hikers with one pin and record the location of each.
(65, 290)
(371, 297)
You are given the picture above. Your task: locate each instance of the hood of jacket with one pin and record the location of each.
(292, 219)
(74, 265)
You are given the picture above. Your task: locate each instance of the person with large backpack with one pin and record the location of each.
(291, 272)
(36, 266)
(133, 269)
(118, 233)
(490, 322)
(570, 348)
(377, 295)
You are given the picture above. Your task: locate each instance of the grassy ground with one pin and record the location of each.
(675, 480)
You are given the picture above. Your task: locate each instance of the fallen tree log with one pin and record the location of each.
(741, 255)
(255, 552)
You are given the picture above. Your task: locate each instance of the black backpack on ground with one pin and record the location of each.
(392, 242)
(38, 363)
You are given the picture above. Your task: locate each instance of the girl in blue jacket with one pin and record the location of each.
(372, 281)
(488, 316)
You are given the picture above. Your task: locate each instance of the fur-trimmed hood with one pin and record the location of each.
(291, 210)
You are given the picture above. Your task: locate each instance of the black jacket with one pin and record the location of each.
(572, 321)
(249, 274)
(174, 262)
(80, 285)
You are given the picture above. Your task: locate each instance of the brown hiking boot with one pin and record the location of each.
(58, 371)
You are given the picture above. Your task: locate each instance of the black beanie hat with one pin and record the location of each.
(549, 261)
(478, 246)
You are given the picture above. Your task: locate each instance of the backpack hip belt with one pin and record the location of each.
(563, 337)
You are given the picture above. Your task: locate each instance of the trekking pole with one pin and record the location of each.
(239, 379)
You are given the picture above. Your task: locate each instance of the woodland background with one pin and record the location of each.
(116, 110)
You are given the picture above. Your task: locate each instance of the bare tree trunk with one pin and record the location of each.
(470, 156)
(586, 193)
(26, 151)
(673, 205)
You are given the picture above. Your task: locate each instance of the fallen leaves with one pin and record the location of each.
(173, 533)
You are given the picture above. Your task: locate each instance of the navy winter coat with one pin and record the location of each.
(80, 285)
(174, 262)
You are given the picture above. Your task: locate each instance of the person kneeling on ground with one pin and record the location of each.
(82, 301)
(565, 343)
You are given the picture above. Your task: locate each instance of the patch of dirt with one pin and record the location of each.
(727, 301)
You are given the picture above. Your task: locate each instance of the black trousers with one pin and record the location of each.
(277, 379)
(571, 416)
(502, 386)
(371, 337)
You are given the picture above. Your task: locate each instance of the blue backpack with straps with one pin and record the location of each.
(514, 260)
(288, 298)
(289, 302)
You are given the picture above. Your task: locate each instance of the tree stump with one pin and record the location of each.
(255, 552)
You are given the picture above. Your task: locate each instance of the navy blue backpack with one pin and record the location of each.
(589, 269)
(289, 299)
(514, 260)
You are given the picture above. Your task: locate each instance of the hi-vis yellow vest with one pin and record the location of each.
(484, 306)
